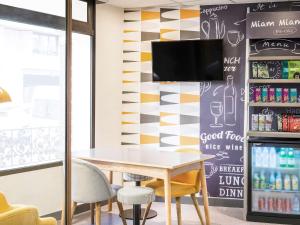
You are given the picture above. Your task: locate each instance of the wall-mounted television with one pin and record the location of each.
(188, 60)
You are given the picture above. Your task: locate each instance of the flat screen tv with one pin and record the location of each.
(189, 60)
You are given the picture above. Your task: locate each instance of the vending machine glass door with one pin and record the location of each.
(274, 177)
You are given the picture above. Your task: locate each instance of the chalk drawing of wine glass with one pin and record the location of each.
(234, 37)
(216, 109)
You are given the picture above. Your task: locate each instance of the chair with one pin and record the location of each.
(136, 196)
(137, 179)
(21, 215)
(90, 185)
(181, 185)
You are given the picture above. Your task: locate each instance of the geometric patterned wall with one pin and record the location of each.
(160, 115)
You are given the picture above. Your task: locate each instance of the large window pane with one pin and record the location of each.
(81, 94)
(53, 7)
(32, 72)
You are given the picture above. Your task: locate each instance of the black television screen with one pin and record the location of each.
(190, 60)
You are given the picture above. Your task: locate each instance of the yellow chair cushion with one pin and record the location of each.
(187, 178)
(21, 215)
(4, 206)
(178, 189)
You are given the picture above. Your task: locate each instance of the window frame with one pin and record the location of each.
(26, 16)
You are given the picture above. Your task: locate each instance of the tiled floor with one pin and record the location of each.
(219, 216)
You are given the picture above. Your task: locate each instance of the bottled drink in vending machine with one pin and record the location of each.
(282, 157)
(262, 203)
(272, 181)
(295, 183)
(279, 205)
(256, 181)
(287, 205)
(270, 204)
(278, 181)
(258, 156)
(291, 158)
(272, 158)
(287, 182)
(263, 182)
(265, 156)
(296, 204)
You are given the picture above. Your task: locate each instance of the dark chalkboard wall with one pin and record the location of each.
(222, 106)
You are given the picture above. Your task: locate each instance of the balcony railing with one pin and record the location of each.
(30, 146)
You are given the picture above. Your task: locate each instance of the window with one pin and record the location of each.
(81, 85)
(33, 73)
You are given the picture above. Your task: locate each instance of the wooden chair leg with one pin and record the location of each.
(120, 206)
(92, 207)
(98, 213)
(110, 178)
(146, 213)
(74, 206)
(196, 204)
(178, 208)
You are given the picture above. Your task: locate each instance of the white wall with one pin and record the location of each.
(109, 50)
(109, 58)
(42, 188)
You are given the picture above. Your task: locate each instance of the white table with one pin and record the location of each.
(153, 163)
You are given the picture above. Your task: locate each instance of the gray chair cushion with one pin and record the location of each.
(136, 195)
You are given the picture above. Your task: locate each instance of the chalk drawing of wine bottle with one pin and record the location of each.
(230, 97)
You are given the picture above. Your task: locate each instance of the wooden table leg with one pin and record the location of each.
(110, 181)
(167, 184)
(204, 193)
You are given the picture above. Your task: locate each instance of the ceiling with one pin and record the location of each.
(152, 3)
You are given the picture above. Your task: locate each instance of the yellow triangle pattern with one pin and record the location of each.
(167, 114)
(127, 113)
(162, 123)
(188, 150)
(127, 41)
(146, 98)
(147, 15)
(163, 31)
(189, 13)
(146, 56)
(184, 140)
(188, 98)
(128, 71)
(130, 31)
(125, 122)
(149, 139)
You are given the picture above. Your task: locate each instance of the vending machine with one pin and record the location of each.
(273, 180)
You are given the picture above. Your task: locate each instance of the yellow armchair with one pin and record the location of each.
(21, 215)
